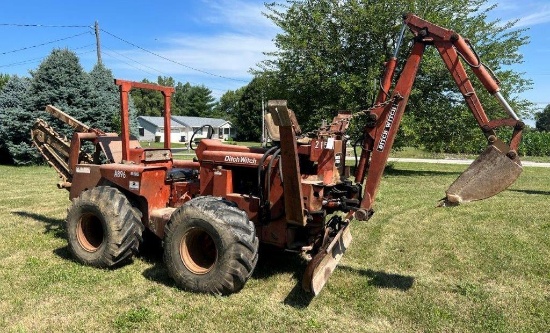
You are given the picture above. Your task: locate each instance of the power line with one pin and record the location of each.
(108, 53)
(30, 61)
(50, 42)
(149, 67)
(43, 25)
(170, 60)
(111, 34)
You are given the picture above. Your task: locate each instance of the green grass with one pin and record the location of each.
(478, 267)
(152, 144)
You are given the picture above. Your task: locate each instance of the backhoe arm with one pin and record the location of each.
(494, 170)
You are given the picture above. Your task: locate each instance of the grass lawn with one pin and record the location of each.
(479, 267)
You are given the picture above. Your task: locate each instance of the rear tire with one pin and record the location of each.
(210, 246)
(103, 228)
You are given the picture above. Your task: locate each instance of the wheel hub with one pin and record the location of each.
(198, 251)
(89, 232)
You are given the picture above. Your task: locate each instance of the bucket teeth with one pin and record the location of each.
(491, 173)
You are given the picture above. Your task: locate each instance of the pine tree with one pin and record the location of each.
(4, 78)
(61, 81)
(105, 102)
(200, 102)
(15, 124)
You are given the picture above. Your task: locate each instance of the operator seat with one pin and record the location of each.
(273, 130)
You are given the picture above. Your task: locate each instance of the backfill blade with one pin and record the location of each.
(491, 173)
(322, 265)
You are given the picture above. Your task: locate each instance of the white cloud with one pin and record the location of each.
(240, 15)
(539, 17)
(527, 13)
(236, 38)
(230, 55)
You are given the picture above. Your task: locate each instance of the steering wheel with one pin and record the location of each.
(199, 130)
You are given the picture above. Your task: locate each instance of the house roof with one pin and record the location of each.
(199, 121)
(158, 121)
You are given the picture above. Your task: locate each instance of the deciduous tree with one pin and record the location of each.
(330, 54)
(543, 119)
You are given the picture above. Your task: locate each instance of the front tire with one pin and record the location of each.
(103, 228)
(210, 246)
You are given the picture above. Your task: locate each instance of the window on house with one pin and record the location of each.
(141, 131)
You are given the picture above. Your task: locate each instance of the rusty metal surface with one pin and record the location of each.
(54, 148)
(491, 173)
(125, 87)
(322, 265)
(75, 124)
(290, 165)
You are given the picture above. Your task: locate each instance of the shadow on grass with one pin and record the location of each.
(536, 192)
(53, 226)
(391, 170)
(383, 279)
(150, 250)
(299, 298)
(272, 262)
(64, 253)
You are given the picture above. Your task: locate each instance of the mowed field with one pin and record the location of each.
(478, 267)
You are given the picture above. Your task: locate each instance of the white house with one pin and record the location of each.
(182, 128)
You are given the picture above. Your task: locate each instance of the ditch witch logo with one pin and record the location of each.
(386, 132)
(242, 159)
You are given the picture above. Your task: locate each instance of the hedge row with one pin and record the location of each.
(535, 144)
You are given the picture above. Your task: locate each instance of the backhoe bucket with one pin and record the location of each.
(491, 173)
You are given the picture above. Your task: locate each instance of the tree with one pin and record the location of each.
(330, 51)
(200, 102)
(542, 119)
(15, 123)
(4, 78)
(105, 102)
(147, 102)
(61, 81)
(228, 105)
(179, 99)
(247, 117)
(187, 100)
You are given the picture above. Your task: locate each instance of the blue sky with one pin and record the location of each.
(210, 42)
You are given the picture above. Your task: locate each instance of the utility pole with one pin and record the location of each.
(98, 44)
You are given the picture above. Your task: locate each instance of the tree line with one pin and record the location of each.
(92, 98)
(328, 58)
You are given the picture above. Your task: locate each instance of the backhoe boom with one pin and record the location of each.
(379, 134)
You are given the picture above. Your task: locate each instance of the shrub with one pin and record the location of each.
(535, 144)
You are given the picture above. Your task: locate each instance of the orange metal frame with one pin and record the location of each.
(125, 87)
(388, 111)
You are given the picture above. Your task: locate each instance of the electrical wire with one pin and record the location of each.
(30, 61)
(50, 42)
(110, 54)
(170, 60)
(149, 67)
(43, 25)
